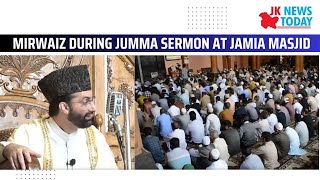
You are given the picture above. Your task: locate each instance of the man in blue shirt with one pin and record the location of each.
(164, 124)
(152, 144)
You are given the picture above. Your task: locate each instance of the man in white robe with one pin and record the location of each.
(67, 139)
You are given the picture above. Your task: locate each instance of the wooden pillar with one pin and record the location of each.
(214, 64)
(254, 62)
(258, 62)
(228, 62)
(137, 138)
(182, 60)
(299, 63)
(241, 62)
(220, 63)
(224, 62)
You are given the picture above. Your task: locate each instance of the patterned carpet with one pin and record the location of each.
(308, 161)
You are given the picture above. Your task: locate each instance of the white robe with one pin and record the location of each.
(63, 147)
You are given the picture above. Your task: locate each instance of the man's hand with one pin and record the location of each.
(17, 155)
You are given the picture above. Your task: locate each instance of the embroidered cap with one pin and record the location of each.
(65, 81)
(215, 153)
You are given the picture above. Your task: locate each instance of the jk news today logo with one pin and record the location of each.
(287, 17)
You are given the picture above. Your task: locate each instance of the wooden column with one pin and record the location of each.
(224, 60)
(214, 64)
(258, 62)
(220, 63)
(228, 62)
(254, 62)
(299, 63)
(241, 62)
(182, 60)
(98, 89)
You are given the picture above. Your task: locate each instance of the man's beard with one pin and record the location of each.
(79, 120)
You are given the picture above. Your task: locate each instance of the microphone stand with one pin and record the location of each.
(118, 132)
(125, 147)
(127, 132)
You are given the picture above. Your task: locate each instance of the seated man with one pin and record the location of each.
(152, 144)
(294, 142)
(268, 152)
(220, 144)
(248, 133)
(303, 132)
(251, 161)
(178, 133)
(281, 140)
(67, 138)
(217, 163)
(195, 129)
(200, 156)
(177, 157)
(232, 138)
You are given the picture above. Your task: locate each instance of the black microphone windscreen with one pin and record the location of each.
(72, 162)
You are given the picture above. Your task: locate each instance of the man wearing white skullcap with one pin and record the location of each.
(155, 111)
(252, 83)
(202, 153)
(216, 162)
(281, 114)
(281, 140)
(303, 91)
(270, 102)
(220, 144)
(213, 122)
(289, 107)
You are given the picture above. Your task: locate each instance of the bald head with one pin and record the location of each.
(214, 135)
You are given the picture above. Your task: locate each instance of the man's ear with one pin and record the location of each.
(64, 107)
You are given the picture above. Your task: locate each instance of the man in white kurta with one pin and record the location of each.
(213, 122)
(66, 139)
(56, 147)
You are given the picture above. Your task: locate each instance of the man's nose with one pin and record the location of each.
(92, 107)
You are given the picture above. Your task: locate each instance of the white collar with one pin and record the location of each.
(57, 130)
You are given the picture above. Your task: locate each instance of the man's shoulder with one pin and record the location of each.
(35, 123)
(95, 131)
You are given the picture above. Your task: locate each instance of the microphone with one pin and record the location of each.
(114, 109)
(71, 163)
(116, 102)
